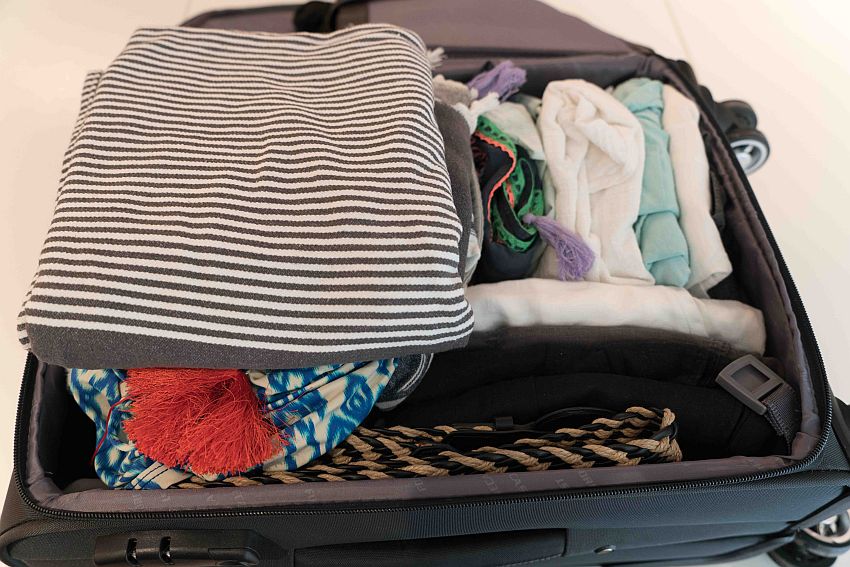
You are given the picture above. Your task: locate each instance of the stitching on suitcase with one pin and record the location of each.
(762, 244)
(750, 212)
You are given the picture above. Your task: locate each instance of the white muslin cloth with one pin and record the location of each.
(516, 122)
(594, 156)
(532, 302)
(709, 262)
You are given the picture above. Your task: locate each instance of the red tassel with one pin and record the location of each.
(209, 421)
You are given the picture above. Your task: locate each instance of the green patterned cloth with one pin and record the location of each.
(520, 193)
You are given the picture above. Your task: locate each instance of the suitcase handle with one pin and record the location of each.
(472, 550)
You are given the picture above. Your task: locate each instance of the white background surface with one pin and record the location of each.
(789, 58)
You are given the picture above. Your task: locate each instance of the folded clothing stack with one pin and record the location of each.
(237, 200)
(599, 204)
(244, 200)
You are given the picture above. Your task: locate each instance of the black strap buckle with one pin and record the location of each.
(750, 381)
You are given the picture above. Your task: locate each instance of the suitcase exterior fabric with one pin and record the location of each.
(658, 523)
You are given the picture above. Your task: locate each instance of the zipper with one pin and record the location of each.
(798, 309)
(462, 52)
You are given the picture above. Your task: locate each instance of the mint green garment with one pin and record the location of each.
(661, 240)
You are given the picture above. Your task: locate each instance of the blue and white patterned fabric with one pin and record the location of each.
(117, 461)
(315, 408)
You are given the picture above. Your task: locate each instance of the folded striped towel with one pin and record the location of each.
(251, 200)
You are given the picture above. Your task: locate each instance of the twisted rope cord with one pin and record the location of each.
(637, 436)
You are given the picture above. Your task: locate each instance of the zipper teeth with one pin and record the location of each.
(583, 493)
(460, 52)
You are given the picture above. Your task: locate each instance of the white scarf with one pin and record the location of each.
(708, 258)
(533, 302)
(594, 155)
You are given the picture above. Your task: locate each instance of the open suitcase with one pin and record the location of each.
(718, 509)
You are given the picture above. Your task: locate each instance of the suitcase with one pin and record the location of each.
(681, 513)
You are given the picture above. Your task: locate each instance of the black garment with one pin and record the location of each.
(514, 352)
(411, 368)
(527, 372)
(498, 262)
(712, 424)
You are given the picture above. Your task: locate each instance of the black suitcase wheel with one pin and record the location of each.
(751, 148)
(740, 113)
(829, 538)
(817, 546)
(796, 555)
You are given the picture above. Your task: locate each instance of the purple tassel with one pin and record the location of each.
(574, 256)
(505, 79)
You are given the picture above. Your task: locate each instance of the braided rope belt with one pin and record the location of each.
(637, 436)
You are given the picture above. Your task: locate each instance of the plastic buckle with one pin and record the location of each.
(750, 381)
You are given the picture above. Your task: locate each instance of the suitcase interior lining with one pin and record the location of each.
(524, 373)
(61, 439)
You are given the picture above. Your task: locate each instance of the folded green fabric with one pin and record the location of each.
(509, 198)
(661, 240)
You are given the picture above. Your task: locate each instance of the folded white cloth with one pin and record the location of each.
(515, 121)
(531, 103)
(477, 108)
(594, 156)
(530, 302)
(708, 258)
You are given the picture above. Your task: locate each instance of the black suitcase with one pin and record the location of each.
(690, 512)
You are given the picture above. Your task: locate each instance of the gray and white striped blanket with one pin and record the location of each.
(247, 200)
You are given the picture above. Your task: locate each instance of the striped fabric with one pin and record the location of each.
(248, 200)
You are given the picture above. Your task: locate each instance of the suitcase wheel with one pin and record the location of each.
(817, 546)
(829, 538)
(740, 114)
(751, 148)
(795, 555)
